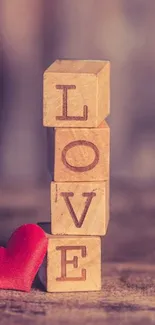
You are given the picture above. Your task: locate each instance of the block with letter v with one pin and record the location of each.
(79, 208)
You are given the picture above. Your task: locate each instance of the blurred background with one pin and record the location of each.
(34, 34)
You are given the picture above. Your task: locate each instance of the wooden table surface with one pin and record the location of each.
(128, 279)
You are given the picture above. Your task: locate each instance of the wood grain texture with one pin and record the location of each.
(82, 154)
(79, 91)
(73, 264)
(79, 208)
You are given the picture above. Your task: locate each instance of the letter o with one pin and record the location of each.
(80, 143)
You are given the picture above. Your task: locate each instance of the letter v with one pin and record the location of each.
(89, 196)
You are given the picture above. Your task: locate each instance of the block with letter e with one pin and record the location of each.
(72, 264)
(82, 154)
(76, 93)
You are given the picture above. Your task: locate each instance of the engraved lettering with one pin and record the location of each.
(65, 116)
(74, 262)
(73, 144)
(89, 196)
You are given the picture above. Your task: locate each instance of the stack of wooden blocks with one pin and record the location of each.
(76, 103)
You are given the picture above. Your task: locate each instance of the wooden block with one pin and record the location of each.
(79, 208)
(82, 154)
(107, 202)
(76, 93)
(72, 264)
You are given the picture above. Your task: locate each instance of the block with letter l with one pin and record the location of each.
(76, 93)
(72, 264)
(82, 154)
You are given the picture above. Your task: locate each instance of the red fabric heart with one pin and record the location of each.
(21, 259)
